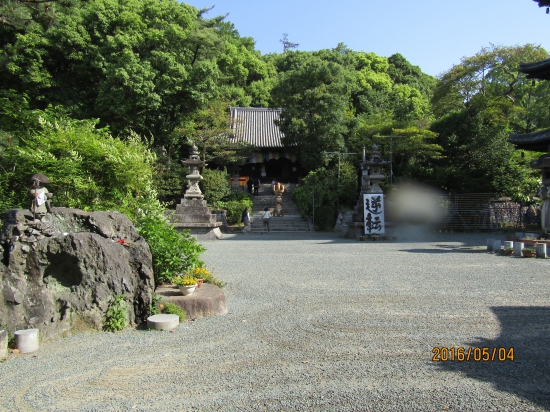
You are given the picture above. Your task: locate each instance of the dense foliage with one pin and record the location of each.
(323, 191)
(156, 75)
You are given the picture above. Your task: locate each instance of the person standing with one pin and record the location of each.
(249, 185)
(266, 216)
(256, 186)
(246, 220)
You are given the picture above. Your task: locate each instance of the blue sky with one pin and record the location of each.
(431, 34)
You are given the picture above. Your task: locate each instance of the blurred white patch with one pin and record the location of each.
(416, 204)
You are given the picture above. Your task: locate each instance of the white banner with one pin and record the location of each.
(374, 213)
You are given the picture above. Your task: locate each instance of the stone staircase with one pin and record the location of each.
(292, 221)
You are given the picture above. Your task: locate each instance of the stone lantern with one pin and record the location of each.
(368, 218)
(193, 213)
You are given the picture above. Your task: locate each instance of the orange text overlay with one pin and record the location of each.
(442, 354)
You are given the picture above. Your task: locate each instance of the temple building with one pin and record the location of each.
(538, 141)
(269, 160)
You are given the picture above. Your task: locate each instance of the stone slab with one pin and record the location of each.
(206, 301)
(3, 344)
(163, 321)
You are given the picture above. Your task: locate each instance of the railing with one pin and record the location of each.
(484, 211)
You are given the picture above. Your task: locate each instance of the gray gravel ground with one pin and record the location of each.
(317, 322)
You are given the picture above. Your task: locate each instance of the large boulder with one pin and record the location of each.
(60, 274)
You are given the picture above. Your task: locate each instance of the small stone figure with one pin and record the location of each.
(40, 203)
(278, 211)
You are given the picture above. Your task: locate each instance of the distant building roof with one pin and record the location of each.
(536, 141)
(256, 126)
(536, 70)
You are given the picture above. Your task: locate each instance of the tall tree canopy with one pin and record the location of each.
(478, 103)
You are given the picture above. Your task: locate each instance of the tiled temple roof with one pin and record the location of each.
(536, 141)
(536, 70)
(256, 126)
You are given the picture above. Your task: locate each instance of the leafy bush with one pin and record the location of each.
(117, 315)
(214, 185)
(234, 209)
(88, 168)
(329, 193)
(91, 170)
(173, 252)
(173, 309)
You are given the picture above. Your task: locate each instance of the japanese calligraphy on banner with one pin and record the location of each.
(374, 213)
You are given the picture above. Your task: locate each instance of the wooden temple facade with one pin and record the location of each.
(270, 159)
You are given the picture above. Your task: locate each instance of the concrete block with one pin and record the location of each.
(508, 244)
(542, 250)
(163, 321)
(27, 340)
(497, 246)
(3, 344)
(490, 244)
(518, 247)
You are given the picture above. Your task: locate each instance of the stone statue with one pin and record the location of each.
(278, 211)
(40, 197)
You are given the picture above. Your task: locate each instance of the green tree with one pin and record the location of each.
(136, 65)
(478, 103)
(314, 98)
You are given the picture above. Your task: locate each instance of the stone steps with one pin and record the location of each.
(292, 221)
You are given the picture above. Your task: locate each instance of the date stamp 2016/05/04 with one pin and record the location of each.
(442, 354)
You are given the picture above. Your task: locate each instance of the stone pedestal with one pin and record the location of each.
(518, 247)
(163, 321)
(208, 300)
(542, 250)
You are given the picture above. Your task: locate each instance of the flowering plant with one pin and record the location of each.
(198, 273)
(184, 280)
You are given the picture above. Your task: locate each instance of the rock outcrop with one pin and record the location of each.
(60, 274)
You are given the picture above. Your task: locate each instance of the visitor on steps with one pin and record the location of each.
(249, 185)
(246, 220)
(256, 186)
(265, 219)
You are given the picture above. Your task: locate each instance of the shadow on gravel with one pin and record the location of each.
(527, 331)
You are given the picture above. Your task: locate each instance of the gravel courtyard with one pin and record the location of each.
(320, 323)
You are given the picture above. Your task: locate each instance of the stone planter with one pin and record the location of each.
(508, 252)
(187, 289)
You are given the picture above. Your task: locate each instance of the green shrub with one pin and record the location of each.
(117, 315)
(214, 185)
(91, 170)
(173, 252)
(234, 209)
(329, 193)
(173, 309)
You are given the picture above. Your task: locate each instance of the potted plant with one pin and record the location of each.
(200, 274)
(529, 252)
(186, 284)
(509, 251)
